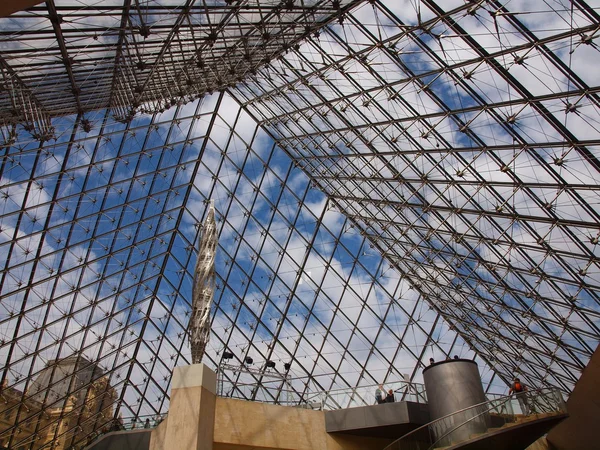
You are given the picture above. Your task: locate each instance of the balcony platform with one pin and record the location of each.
(388, 420)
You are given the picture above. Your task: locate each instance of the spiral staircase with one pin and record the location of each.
(498, 425)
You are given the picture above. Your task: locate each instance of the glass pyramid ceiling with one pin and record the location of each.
(393, 181)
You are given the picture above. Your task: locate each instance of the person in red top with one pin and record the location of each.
(520, 391)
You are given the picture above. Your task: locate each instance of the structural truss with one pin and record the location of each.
(392, 181)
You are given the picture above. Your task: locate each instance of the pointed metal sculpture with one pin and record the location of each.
(204, 287)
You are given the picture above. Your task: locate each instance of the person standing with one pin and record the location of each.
(520, 391)
(390, 396)
(379, 394)
(115, 425)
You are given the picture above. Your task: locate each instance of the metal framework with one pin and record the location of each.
(392, 181)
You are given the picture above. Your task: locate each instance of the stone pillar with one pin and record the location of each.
(191, 419)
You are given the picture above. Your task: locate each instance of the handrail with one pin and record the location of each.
(410, 383)
(446, 416)
(364, 395)
(447, 433)
(506, 399)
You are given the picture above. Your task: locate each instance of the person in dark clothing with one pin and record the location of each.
(147, 423)
(389, 397)
(115, 425)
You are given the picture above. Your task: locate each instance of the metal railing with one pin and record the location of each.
(148, 421)
(365, 396)
(126, 424)
(274, 387)
(467, 423)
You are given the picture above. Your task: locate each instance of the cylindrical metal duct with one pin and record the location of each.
(451, 386)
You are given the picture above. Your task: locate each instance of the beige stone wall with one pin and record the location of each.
(198, 420)
(263, 425)
(157, 439)
(241, 425)
(190, 424)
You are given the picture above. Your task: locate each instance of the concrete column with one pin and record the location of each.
(191, 419)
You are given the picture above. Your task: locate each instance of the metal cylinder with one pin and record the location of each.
(452, 386)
